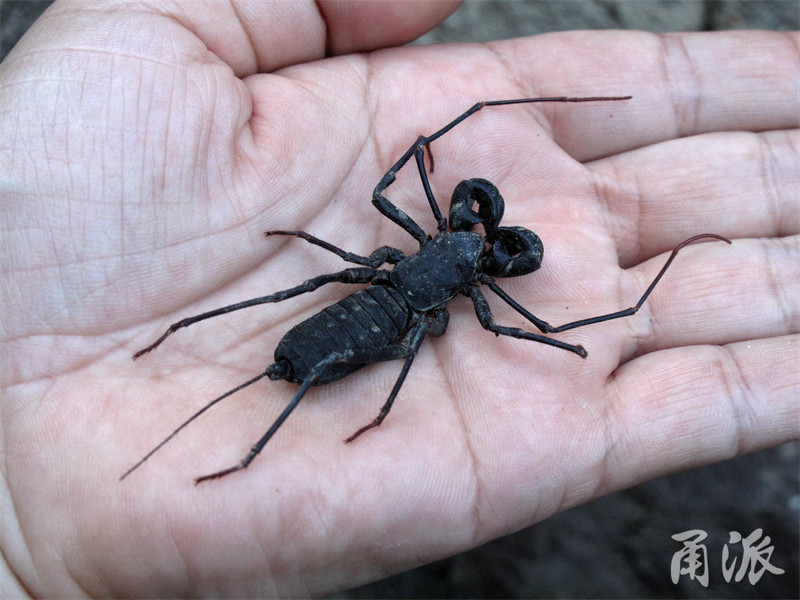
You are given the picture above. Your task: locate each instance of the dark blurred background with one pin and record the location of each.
(619, 546)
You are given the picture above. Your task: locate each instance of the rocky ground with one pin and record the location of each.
(619, 546)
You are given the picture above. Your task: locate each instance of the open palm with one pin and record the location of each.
(144, 156)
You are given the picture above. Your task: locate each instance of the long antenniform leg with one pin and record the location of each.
(352, 275)
(417, 149)
(545, 327)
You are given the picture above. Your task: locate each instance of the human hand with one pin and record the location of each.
(144, 155)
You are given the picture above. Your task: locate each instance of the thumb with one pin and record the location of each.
(360, 26)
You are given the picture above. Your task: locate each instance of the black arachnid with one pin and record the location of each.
(389, 319)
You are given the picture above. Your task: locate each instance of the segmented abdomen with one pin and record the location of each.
(373, 317)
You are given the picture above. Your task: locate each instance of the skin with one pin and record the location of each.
(144, 150)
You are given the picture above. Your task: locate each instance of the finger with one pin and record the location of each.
(362, 26)
(734, 184)
(260, 37)
(278, 34)
(681, 84)
(702, 405)
(755, 94)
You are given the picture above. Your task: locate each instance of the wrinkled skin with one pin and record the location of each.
(144, 150)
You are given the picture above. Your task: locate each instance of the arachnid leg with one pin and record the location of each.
(388, 209)
(486, 319)
(352, 275)
(419, 156)
(411, 344)
(417, 149)
(547, 328)
(384, 254)
(351, 356)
